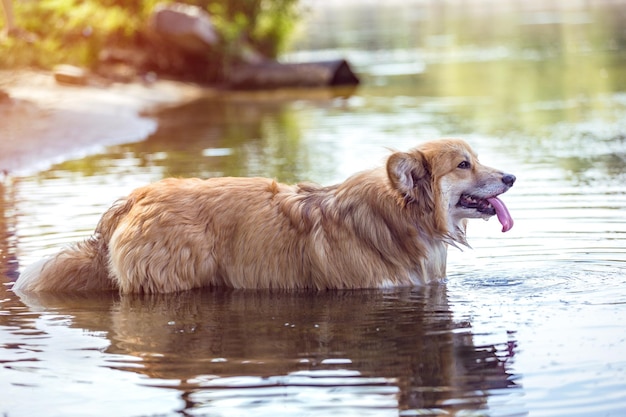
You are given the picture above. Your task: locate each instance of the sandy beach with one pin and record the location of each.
(43, 122)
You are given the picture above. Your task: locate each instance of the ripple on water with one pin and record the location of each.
(341, 392)
(566, 316)
(566, 281)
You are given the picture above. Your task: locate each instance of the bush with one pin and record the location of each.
(75, 31)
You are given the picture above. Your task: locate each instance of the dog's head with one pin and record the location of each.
(444, 180)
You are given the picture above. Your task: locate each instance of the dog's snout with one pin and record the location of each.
(508, 179)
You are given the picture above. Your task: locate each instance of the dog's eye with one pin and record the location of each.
(464, 165)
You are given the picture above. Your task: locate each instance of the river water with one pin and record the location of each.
(531, 322)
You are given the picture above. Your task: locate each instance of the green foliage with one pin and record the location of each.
(69, 31)
(75, 31)
(265, 24)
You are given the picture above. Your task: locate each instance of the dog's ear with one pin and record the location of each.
(407, 171)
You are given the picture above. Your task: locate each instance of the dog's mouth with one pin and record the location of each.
(489, 206)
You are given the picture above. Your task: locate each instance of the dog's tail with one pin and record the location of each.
(80, 267)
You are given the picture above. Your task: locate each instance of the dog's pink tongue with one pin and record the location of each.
(504, 217)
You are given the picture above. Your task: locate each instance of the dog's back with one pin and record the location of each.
(256, 233)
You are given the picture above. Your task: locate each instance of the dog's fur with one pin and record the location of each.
(388, 226)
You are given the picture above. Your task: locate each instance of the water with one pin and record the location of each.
(530, 322)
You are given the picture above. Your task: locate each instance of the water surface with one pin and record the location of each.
(529, 322)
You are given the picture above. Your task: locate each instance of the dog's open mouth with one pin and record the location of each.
(489, 206)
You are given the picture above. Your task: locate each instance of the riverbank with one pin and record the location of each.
(43, 122)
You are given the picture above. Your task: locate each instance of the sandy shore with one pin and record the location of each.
(43, 122)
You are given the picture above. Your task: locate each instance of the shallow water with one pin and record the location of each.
(530, 322)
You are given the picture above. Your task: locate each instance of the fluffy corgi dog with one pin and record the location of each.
(389, 226)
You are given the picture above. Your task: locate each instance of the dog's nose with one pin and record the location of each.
(508, 179)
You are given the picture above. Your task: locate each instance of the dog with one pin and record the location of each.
(386, 227)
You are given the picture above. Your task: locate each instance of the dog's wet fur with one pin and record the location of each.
(385, 227)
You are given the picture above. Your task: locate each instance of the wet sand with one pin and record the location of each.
(44, 122)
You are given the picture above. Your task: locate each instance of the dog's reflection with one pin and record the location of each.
(407, 336)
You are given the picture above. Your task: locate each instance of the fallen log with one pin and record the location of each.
(272, 75)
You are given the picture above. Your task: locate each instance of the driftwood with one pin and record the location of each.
(272, 75)
(182, 42)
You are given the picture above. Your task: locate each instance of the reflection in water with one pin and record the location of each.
(238, 134)
(355, 352)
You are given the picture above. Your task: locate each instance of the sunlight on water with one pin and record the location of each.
(530, 322)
